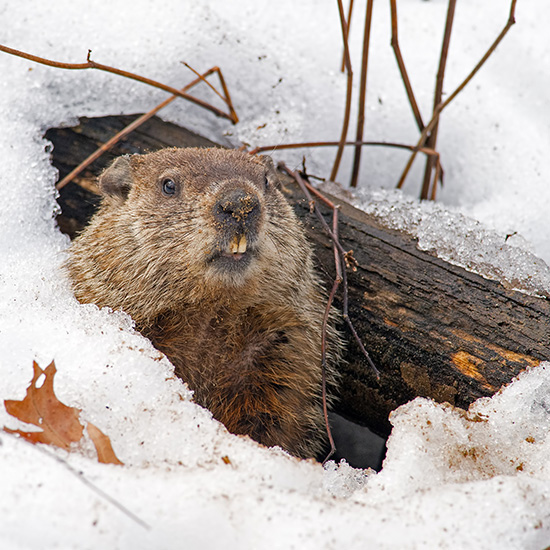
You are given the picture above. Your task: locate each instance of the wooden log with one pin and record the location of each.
(433, 329)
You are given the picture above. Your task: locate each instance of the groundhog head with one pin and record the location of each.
(204, 220)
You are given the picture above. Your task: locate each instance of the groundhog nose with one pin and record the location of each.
(237, 208)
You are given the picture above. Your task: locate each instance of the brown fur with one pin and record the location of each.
(244, 331)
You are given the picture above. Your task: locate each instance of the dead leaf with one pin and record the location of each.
(59, 424)
(102, 443)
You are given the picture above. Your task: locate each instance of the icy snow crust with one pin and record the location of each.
(451, 479)
(460, 239)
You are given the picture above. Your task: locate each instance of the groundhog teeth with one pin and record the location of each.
(238, 245)
(234, 245)
(242, 245)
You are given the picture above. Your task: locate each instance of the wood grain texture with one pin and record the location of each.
(433, 329)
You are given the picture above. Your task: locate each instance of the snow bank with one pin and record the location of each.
(451, 479)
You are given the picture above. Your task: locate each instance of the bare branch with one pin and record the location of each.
(307, 144)
(83, 479)
(465, 82)
(362, 95)
(401, 65)
(225, 97)
(349, 88)
(136, 123)
(438, 94)
(348, 25)
(309, 190)
(93, 65)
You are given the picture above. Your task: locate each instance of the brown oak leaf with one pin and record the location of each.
(59, 424)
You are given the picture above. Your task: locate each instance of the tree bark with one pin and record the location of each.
(433, 329)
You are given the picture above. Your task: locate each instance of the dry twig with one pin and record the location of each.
(341, 258)
(438, 94)
(402, 68)
(83, 479)
(226, 97)
(144, 118)
(348, 21)
(307, 144)
(408, 87)
(441, 106)
(362, 95)
(349, 87)
(93, 65)
(428, 138)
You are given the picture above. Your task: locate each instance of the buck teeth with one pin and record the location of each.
(242, 245)
(238, 245)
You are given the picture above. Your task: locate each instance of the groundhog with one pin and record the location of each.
(202, 250)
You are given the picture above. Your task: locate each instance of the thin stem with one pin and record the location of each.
(337, 281)
(306, 144)
(348, 25)
(349, 89)
(404, 75)
(330, 300)
(402, 68)
(438, 94)
(438, 174)
(83, 479)
(337, 258)
(127, 130)
(465, 82)
(233, 114)
(93, 65)
(341, 276)
(362, 95)
(226, 98)
(308, 190)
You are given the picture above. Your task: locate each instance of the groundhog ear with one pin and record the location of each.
(117, 178)
(266, 161)
(271, 174)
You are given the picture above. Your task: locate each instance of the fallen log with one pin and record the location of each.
(433, 329)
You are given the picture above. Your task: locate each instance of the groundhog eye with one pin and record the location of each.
(168, 187)
(266, 182)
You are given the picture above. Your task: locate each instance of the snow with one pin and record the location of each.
(450, 479)
(459, 239)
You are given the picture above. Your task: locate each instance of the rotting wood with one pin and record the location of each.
(433, 329)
